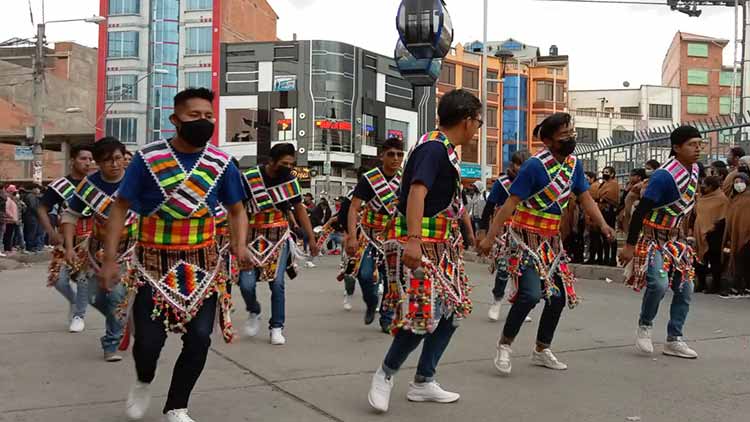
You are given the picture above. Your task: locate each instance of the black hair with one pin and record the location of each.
(639, 172)
(308, 194)
(519, 157)
(130, 153)
(456, 106)
(281, 150)
(183, 96)
(712, 182)
(538, 127)
(609, 168)
(737, 152)
(77, 149)
(590, 174)
(721, 168)
(105, 147)
(392, 143)
(653, 164)
(553, 123)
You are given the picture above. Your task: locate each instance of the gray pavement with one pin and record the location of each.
(323, 373)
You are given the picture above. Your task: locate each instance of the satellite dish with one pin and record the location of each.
(626, 84)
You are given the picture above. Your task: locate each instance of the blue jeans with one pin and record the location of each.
(501, 278)
(406, 342)
(657, 282)
(79, 298)
(368, 284)
(248, 281)
(107, 303)
(529, 294)
(337, 238)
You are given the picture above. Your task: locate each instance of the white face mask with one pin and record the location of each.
(740, 187)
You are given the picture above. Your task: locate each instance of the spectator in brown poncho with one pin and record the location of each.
(609, 202)
(633, 195)
(737, 237)
(708, 230)
(734, 158)
(594, 236)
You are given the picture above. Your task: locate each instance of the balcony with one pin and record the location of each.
(550, 105)
(606, 114)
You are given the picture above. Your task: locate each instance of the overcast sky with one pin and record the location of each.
(607, 44)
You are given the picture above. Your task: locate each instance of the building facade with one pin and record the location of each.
(521, 93)
(151, 49)
(335, 102)
(619, 113)
(693, 63)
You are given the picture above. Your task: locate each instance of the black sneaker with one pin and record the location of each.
(385, 327)
(369, 316)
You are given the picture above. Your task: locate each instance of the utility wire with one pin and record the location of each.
(650, 3)
(31, 14)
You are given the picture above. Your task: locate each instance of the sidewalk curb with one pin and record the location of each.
(589, 272)
(18, 261)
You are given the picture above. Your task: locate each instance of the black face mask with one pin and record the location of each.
(567, 146)
(606, 176)
(196, 132)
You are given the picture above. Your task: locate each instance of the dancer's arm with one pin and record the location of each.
(110, 271)
(238, 233)
(351, 224)
(301, 213)
(469, 229)
(498, 222)
(68, 222)
(636, 224)
(42, 214)
(414, 212)
(592, 210)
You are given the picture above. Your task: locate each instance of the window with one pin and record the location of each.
(660, 111)
(544, 91)
(199, 40)
(511, 91)
(586, 135)
(370, 129)
(560, 93)
(491, 86)
(620, 136)
(725, 105)
(125, 129)
(631, 110)
(697, 50)
(124, 7)
(725, 78)
(471, 78)
(242, 125)
(448, 74)
(469, 151)
(491, 118)
(697, 104)
(286, 52)
(198, 80)
(284, 119)
(200, 4)
(122, 88)
(492, 153)
(396, 129)
(697, 77)
(122, 44)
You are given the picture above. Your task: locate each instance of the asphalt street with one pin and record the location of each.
(323, 372)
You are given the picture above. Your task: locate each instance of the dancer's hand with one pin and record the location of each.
(70, 256)
(55, 239)
(485, 246)
(244, 259)
(472, 241)
(108, 274)
(351, 245)
(314, 249)
(626, 254)
(608, 232)
(413, 253)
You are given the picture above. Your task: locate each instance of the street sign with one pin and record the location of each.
(471, 170)
(24, 153)
(327, 168)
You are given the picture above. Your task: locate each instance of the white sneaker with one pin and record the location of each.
(139, 399)
(502, 359)
(679, 349)
(381, 289)
(548, 360)
(277, 337)
(310, 264)
(430, 391)
(643, 340)
(112, 357)
(494, 313)
(77, 325)
(178, 415)
(3, 255)
(528, 319)
(380, 391)
(348, 302)
(252, 325)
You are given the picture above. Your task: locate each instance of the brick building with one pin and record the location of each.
(694, 64)
(178, 38)
(535, 86)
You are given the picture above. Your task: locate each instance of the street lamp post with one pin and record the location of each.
(37, 98)
(503, 55)
(483, 140)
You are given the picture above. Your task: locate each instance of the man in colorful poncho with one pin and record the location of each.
(59, 193)
(378, 191)
(178, 281)
(660, 256)
(96, 193)
(428, 289)
(537, 262)
(273, 192)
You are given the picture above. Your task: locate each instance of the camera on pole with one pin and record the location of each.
(425, 38)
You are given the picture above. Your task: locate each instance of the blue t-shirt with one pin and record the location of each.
(429, 165)
(498, 195)
(661, 188)
(533, 177)
(140, 188)
(78, 206)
